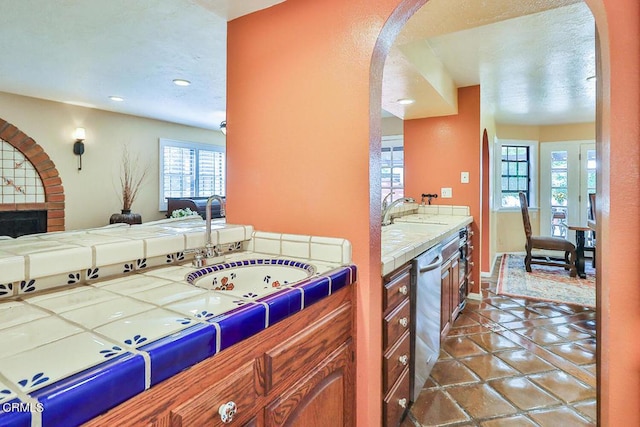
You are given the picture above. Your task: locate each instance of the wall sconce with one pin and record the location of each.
(78, 146)
(223, 127)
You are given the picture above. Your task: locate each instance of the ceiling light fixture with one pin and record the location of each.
(405, 101)
(181, 82)
(116, 98)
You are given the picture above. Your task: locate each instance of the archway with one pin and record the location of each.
(51, 182)
(386, 38)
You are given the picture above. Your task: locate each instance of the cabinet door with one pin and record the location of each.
(319, 399)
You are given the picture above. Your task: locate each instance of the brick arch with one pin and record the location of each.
(51, 181)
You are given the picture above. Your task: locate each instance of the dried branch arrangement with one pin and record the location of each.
(132, 175)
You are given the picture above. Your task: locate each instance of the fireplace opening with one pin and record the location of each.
(20, 223)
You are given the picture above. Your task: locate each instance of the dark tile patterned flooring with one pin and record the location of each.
(513, 362)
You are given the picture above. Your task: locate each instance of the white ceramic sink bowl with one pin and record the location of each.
(252, 278)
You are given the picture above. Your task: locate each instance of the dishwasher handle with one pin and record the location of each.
(436, 264)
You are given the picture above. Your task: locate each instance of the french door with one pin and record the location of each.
(567, 176)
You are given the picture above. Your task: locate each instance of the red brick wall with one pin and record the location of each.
(53, 190)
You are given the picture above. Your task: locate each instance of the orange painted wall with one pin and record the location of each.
(298, 144)
(618, 216)
(299, 93)
(437, 149)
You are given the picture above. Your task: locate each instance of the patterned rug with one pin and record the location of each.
(545, 283)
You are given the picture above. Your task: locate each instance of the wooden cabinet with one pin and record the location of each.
(298, 372)
(396, 351)
(450, 281)
(457, 273)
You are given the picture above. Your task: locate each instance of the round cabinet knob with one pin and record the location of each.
(471, 247)
(403, 290)
(402, 402)
(404, 359)
(404, 322)
(471, 233)
(472, 263)
(227, 411)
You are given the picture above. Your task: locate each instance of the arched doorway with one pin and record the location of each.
(388, 34)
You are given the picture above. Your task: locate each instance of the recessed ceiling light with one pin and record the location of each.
(116, 98)
(405, 101)
(181, 82)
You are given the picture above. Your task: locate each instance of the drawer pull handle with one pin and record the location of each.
(470, 247)
(404, 322)
(403, 290)
(404, 359)
(227, 411)
(402, 402)
(471, 233)
(472, 263)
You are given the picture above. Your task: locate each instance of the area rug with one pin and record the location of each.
(545, 283)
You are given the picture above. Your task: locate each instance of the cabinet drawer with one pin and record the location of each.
(396, 323)
(202, 409)
(395, 360)
(287, 361)
(396, 289)
(396, 401)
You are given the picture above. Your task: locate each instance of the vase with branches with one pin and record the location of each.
(132, 176)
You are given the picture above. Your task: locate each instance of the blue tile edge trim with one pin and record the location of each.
(87, 394)
(283, 304)
(240, 324)
(12, 415)
(179, 351)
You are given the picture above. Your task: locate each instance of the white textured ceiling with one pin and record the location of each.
(83, 51)
(531, 57)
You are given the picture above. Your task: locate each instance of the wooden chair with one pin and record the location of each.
(546, 243)
(592, 217)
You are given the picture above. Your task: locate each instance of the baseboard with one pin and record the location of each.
(474, 296)
(493, 265)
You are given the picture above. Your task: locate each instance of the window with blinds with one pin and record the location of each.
(190, 169)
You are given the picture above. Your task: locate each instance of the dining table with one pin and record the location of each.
(580, 246)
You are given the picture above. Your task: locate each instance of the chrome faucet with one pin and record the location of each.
(209, 248)
(385, 203)
(386, 214)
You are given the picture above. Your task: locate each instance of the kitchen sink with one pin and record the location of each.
(251, 278)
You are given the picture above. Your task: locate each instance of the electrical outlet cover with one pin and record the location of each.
(446, 192)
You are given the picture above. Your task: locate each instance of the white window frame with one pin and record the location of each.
(163, 142)
(534, 150)
(391, 142)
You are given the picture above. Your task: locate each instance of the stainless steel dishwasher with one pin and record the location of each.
(425, 312)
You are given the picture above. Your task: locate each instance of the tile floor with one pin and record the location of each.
(513, 362)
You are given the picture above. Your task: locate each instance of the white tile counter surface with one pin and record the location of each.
(412, 234)
(113, 337)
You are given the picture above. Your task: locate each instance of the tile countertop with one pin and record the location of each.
(71, 353)
(412, 234)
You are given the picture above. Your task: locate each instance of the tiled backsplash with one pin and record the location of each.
(43, 261)
(19, 181)
(35, 263)
(412, 208)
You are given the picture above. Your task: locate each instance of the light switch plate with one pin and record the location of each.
(446, 192)
(464, 177)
